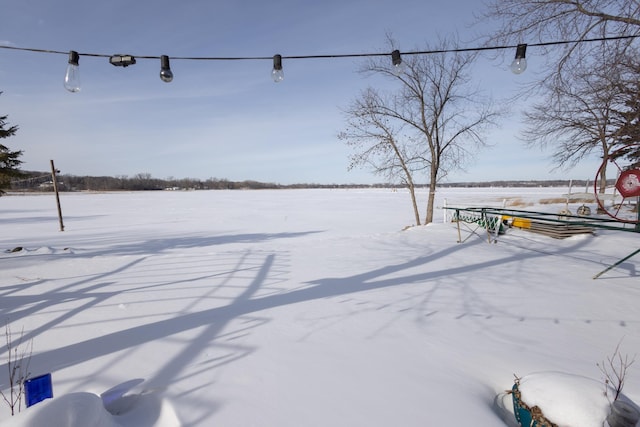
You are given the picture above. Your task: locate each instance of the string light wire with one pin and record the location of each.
(72, 79)
(327, 56)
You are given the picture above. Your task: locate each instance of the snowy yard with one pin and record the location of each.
(303, 308)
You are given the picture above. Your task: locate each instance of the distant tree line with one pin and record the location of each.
(528, 184)
(42, 182)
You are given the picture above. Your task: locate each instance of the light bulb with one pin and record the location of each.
(277, 75)
(72, 76)
(519, 64)
(398, 66)
(165, 70)
(399, 69)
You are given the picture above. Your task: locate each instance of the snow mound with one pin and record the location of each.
(567, 400)
(71, 410)
(90, 410)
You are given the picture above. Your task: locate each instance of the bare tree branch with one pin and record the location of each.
(583, 107)
(432, 123)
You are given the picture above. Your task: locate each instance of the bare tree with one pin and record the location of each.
(578, 119)
(428, 127)
(376, 139)
(529, 21)
(581, 87)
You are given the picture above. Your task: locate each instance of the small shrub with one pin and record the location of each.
(517, 202)
(18, 359)
(553, 201)
(614, 371)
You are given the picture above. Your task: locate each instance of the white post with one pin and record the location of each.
(444, 219)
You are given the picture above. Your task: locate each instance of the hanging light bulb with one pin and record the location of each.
(398, 65)
(519, 64)
(72, 76)
(165, 70)
(277, 74)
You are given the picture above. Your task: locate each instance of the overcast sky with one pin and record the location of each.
(227, 119)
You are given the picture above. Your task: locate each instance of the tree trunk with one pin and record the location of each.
(430, 200)
(412, 191)
(433, 179)
(602, 184)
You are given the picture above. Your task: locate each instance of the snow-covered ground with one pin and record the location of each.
(307, 308)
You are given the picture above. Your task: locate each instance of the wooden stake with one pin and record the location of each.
(55, 189)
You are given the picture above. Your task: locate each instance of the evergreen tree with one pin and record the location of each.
(9, 160)
(627, 116)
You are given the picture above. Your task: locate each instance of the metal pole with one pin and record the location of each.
(638, 212)
(55, 189)
(616, 264)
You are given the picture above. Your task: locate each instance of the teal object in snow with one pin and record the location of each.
(524, 414)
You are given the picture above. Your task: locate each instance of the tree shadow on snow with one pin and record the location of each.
(213, 321)
(244, 304)
(146, 247)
